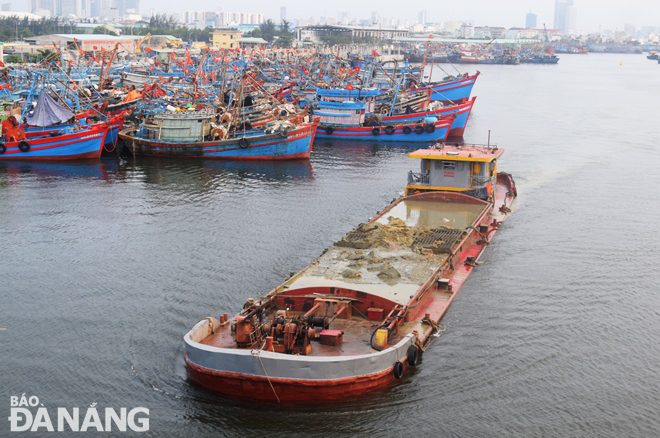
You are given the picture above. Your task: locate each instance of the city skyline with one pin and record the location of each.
(592, 15)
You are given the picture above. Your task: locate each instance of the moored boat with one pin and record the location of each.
(452, 90)
(191, 135)
(460, 111)
(359, 315)
(348, 120)
(72, 145)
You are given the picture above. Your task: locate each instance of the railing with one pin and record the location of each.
(479, 181)
(418, 178)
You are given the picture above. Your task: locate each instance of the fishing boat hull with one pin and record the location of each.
(451, 91)
(116, 124)
(461, 112)
(257, 373)
(417, 133)
(86, 144)
(296, 144)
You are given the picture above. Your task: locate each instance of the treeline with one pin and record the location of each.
(14, 27)
(282, 37)
(162, 24)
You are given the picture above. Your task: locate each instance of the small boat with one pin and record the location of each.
(363, 312)
(61, 145)
(190, 135)
(451, 90)
(348, 121)
(460, 111)
(540, 59)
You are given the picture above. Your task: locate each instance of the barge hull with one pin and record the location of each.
(266, 375)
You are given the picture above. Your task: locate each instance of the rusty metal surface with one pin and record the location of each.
(440, 240)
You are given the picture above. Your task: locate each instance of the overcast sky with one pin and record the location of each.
(507, 13)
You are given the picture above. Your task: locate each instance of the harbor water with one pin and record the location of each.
(105, 266)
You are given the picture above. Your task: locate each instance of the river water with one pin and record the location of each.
(105, 266)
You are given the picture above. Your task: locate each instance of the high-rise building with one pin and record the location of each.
(133, 4)
(565, 16)
(283, 13)
(43, 5)
(344, 17)
(530, 21)
(6, 6)
(423, 17)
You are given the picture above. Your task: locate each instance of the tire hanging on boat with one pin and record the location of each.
(407, 130)
(24, 146)
(413, 355)
(398, 370)
(419, 129)
(3, 148)
(243, 143)
(329, 130)
(430, 128)
(389, 130)
(375, 131)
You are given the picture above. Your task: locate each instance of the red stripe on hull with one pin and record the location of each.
(290, 390)
(85, 156)
(300, 156)
(458, 132)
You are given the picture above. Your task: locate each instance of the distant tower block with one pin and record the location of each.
(530, 21)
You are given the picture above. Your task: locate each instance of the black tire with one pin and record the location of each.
(413, 355)
(243, 143)
(385, 110)
(329, 130)
(389, 130)
(430, 128)
(407, 130)
(284, 113)
(3, 148)
(375, 131)
(398, 370)
(419, 129)
(284, 134)
(24, 146)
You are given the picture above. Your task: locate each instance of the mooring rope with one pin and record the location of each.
(266, 372)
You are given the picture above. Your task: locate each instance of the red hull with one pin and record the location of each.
(86, 156)
(290, 390)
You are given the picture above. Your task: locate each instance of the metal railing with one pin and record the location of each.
(418, 178)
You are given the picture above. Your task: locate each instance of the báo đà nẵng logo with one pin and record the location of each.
(28, 414)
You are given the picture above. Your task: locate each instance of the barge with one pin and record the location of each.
(361, 314)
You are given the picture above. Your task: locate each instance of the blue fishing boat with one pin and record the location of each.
(452, 90)
(461, 113)
(86, 143)
(348, 121)
(192, 135)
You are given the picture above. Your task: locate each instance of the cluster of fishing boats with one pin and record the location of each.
(224, 104)
(483, 54)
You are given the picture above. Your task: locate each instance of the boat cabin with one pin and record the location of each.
(345, 113)
(180, 126)
(468, 169)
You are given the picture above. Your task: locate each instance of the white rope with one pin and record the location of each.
(266, 372)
